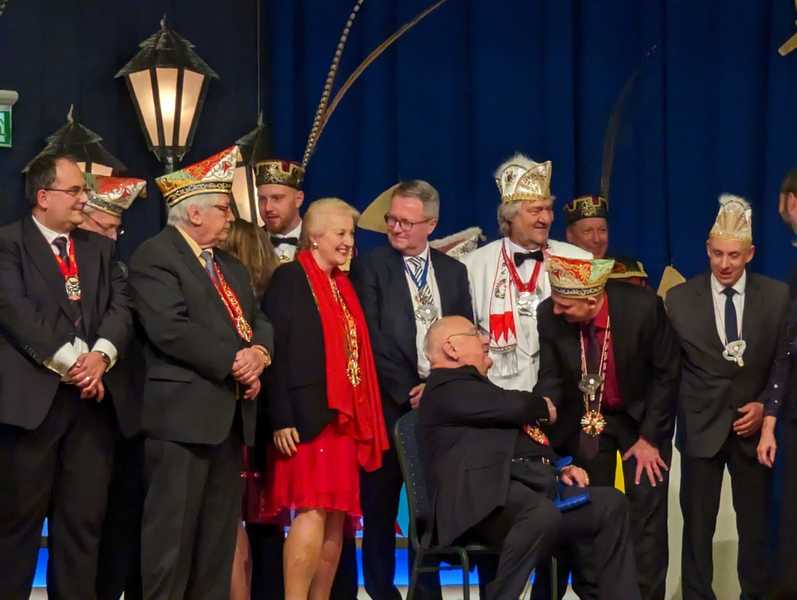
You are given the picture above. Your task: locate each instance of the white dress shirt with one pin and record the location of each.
(719, 304)
(66, 355)
(286, 252)
(420, 327)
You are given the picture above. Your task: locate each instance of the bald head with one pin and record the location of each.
(453, 342)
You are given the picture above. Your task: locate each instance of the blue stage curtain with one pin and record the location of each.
(712, 110)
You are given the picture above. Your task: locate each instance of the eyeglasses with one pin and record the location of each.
(472, 333)
(75, 191)
(404, 224)
(112, 228)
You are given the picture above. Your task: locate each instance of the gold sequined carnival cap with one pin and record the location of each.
(520, 178)
(283, 172)
(734, 220)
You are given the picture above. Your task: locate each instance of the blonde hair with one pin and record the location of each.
(316, 218)
(250, 244)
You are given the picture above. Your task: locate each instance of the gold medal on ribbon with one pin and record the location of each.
(593, 423)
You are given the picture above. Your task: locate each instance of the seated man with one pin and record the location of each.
(492, 483)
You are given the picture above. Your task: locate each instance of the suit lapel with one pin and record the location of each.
(620, 332)
(399, 290)
(752, 311)
(444, 285)
(44, 259)
(88, 263)
(706, 319)
(192, 262)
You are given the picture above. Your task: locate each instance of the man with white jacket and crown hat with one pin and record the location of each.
(507, 277)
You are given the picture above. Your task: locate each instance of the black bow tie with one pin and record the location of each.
(276, 240)
(521, 257)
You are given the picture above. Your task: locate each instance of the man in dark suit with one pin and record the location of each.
(491, 482)
(720, 407)
(403, 288)
(206, 344)
(64, 321)
(609, 361)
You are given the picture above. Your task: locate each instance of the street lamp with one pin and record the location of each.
(254, 146)
(167, 81)
(84, 145)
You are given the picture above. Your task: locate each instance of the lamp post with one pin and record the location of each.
(254, 146)
(82, 143)
(167, 81)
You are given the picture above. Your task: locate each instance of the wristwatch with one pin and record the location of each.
(105, 358)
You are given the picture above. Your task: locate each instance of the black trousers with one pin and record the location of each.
(701, 484)
(380, 492)
(60, 470)
(529, 530)
(786, 472)
(648, 508)
(190, 518)
(119, 567)
(267, 541)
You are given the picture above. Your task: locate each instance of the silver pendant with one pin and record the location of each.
(426, 313)
(734, 350)
(589, 384)
(527, 304)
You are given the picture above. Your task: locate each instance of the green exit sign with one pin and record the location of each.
(5, 126)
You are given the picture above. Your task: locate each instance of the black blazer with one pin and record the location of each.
(189, 342)
(712, 388)
(296, 383)
(468, 428)
(36, 318)
(381, 284)
(646, 358)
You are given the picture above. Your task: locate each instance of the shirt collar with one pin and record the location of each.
(739, 286)
(48, 233)
(424, 254)
(195, 248)
(512, 247)
(295, 232)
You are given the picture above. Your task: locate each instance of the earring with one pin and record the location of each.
(315, 244)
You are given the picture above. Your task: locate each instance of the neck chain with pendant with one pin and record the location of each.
(592, 385)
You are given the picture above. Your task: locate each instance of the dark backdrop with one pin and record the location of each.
(712, 111)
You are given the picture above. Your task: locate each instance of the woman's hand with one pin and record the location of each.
(286, 439)
(767, 446)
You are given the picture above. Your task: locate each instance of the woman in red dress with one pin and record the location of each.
(322, 398)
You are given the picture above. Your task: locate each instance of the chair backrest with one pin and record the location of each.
(405, 435)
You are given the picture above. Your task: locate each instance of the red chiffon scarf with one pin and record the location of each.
(358, 407)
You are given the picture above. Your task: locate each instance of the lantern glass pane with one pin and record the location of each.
(167, 92)
(242, 191)
(141, 84)
(192, 87)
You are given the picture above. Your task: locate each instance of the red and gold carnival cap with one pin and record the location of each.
(212, 175)
(114, 195)
(578, 278)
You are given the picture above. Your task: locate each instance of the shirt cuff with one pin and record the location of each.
(62, 360)
(106, 347)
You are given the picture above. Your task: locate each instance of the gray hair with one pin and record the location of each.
(423, 191)
(507, 211)
(178, 214)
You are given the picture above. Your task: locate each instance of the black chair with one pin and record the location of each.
(406, 441)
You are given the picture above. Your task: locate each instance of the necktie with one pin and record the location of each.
(417, 264)
(276, 240)
(61, 244)
(207, 256)
(731, 324)
(521, 257)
